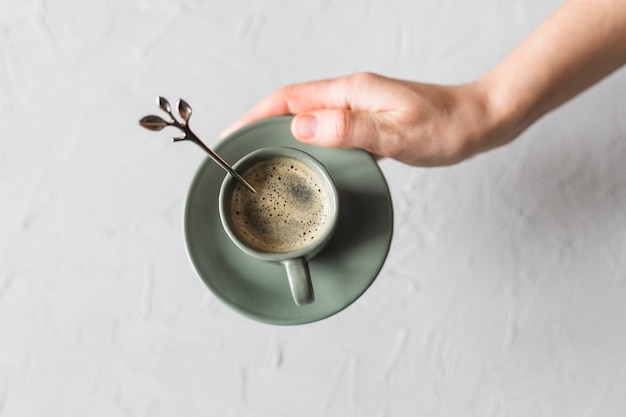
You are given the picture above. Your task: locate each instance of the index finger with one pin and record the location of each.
(294, 99)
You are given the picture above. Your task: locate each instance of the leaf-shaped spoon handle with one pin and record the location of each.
(157, 123)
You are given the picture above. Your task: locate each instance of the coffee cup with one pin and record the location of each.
(289, 218)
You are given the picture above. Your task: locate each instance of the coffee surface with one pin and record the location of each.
(289, 209)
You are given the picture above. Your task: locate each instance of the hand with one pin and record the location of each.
(427, 125)
(418, 124)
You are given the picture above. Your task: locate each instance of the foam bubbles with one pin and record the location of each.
(289, 209)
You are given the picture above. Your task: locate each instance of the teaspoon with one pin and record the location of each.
(157, 123)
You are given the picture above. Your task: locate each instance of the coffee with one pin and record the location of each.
(289, 210)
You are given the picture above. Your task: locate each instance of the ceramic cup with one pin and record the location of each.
(291, 216)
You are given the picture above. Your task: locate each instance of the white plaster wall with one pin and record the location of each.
(504, 293)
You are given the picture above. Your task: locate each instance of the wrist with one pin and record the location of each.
(507, 112)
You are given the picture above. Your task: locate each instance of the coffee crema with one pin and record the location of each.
(289, 209)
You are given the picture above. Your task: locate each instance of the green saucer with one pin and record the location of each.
(340, 273)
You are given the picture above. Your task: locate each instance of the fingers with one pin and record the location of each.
(338, 128)
(294, 99)
(344, 112)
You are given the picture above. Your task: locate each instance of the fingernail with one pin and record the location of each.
(306, 126)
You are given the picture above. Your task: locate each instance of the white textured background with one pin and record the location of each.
(504, 293)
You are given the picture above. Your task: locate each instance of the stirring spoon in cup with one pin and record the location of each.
(157, 123)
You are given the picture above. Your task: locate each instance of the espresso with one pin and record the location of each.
(289, 209)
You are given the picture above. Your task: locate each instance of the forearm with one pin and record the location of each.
(581, 43)
(427, 125)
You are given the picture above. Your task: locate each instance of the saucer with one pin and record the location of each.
(341, 273)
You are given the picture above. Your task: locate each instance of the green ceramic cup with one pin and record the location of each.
(289, 219)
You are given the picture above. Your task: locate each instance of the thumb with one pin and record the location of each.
(336, 128)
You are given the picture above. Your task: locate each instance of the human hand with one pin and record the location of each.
(418, 124)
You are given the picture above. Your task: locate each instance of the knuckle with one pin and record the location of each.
(362, 78)
(282, 92)
(341, 126)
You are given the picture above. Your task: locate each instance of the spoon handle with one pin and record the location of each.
(184, 109)
(218, 159)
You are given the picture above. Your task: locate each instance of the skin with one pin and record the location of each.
(434, 125)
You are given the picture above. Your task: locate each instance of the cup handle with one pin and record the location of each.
(299, 280)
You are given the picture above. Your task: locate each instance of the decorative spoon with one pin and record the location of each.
(157, 123)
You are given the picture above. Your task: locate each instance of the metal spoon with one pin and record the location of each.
(184, 109)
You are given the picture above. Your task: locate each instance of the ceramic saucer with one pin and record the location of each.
(340, 273)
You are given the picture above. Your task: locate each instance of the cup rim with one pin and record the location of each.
(306, 251)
